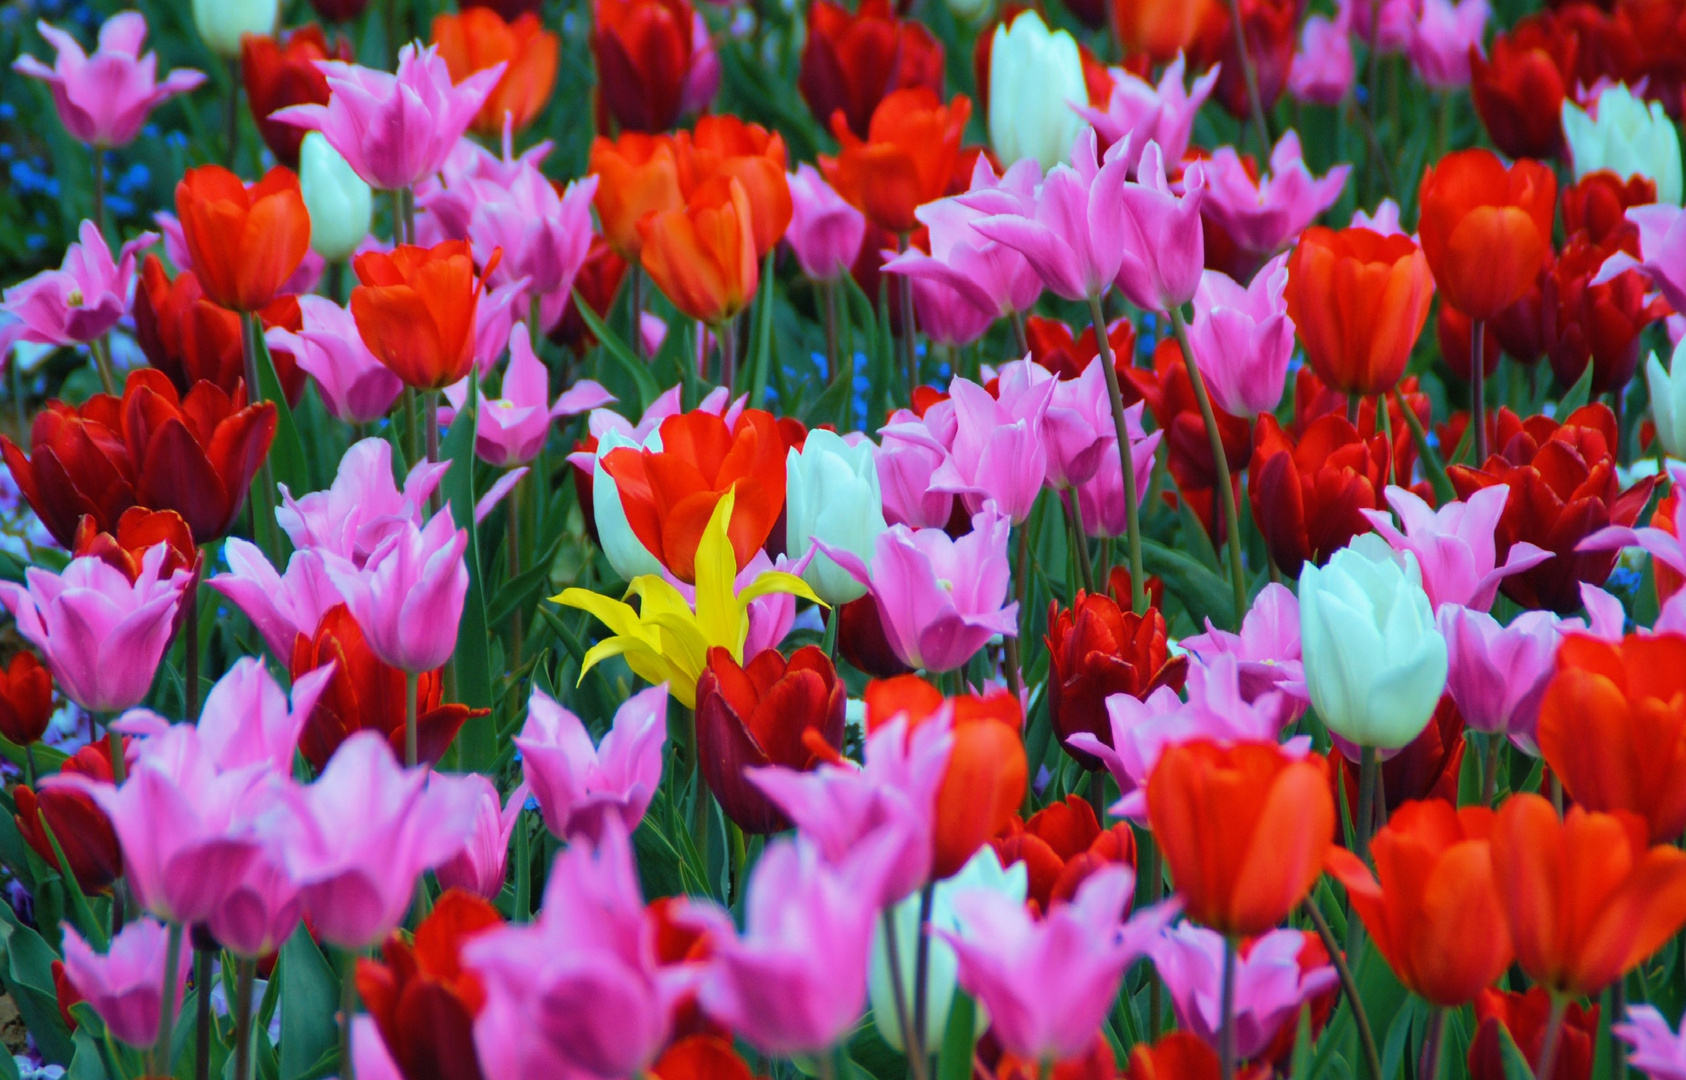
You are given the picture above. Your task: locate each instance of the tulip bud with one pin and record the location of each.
(1374, 661)
(831, 492)
(222, 22)
(967, 10)
(340, 203)
(1628, 137)
(1668, 400)
(1034, 76)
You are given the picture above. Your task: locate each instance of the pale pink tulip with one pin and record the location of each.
(1142, 112)
(1162, 246)
(1658, 1051)
(825, 231)
(281, 606)
(1243, 338)
(125, 986)
(1662, 250)
(994, 278)
(1442, 38)
(1498, 674)
(362, 507)
(1454, 545)
(1323, 72)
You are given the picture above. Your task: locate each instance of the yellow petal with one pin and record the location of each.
(719, 613)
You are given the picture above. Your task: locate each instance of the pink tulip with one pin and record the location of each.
(479, 867)
(1498, 674)
(125, 987)
(1657, 1051)
(1101, 497)
(395, 130)
(579, 786)
(1074, 234)
(494, 319)
(1243, 338)
(1662, 249)
(512, 429)
(906, 460)
(1262, 216)
(1266, 651)
(994, 278)
(260, 913)
(825, 232)
(946, 316)
(363, 506)
(1161, 242)
(370, 1058)
(1050, 983)
(1454, 545)
(997, 454)
(1606, 618)
(1662, 545)
(408, 597)
(1269, 985)
(355, 387)
(104, 99)
(1385, 24)
(544, 235)
(356, 840)
(1323, 71)
(795, 982)
(1144, 113)
(246, 720)
(1442, 38)
(940, 599)
(836, 807)
(80, 300)
(702, 81)
(281, 606)
(102, 635)
(1077, 431)
(578, 992)
(1385, 221)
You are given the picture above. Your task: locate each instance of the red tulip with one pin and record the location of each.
(26, 699)
(1358, 300)
(1519, 86)
(852, 61)
(1170, 397)
(1427, 768)
(138, 531)
(1270, 27)
(77, 466)
(1485, 228)
(245, 241)
(1596, 324)
(644, 56)
(82, 830)
(1307, 495)
(1313, 400)
(1096, 648)
(279, 72)
(861, 640)
(415, 310)
(1053, 346)
(1525, 1017)
(480, 38)
(905, 160)
(1598, 204)
(1061, 845)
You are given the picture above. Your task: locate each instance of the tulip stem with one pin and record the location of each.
(1260, 124)
(726, 333)
(635, 305)
(263, 485)
(1021, 570)
(1021, 339)
(348, 1006)
(231, 114)
(99, 189)
(1360, 1018)
(1368, 772)
(167, 1016)
(898, 993)
(1126, 456)
(523, 869)
(833, 357)
(245, 972)
(114, 742)
(410, 681)
(1226, 1024)
(514, 568)
(190, 654)
(1225, 496)
(1618, 1009)
(1429, 1068)
(1478, 389)
(1155, 891)
(1491, 748)
(101, 348)
(922, 974)
(1079, 540)
(430, 422)
(904, 289)
(1553, 1035)
(202, 1014)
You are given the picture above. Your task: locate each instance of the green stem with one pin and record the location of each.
(1349, 986)
(348, 1009)
(263, 485)
(202, 1014)
(1079, 540)
(1429, 1068)
(1115, 396)
(245, 973)
(1225, 495)
(167, 1017)
(523, 869)
(727, 334)
(910, 359)
(1021, 338)
(410, 690)
(922, 973)
(101, 348)
(833, 353)
(1021, 571)
(1226, 1023)
(1260, 124)
(898, 992)
(430, 421)
(190, 645)
(99, 188)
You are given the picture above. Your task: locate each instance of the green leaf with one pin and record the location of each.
(954, 1061)
(1398, 1041)
(309, 998)
(1201, 591)
(514, 592)
(286, 453)
(26, 968)
(761, 337)
(830, 405)
(88, 1061)
(1576, 396)
(1516, 1066)
(618, 351)
(476, 744)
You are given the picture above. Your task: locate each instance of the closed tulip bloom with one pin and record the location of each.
(832, 492)
(396, 130)
(26, 699)
(577, 785)
(1061, 846)
(1486, 229)
(1612, 727)
(1266, 650)
(103, 99)
(1358, 300)
(354, 385)
(1593, 318)
(1160, 269)
(852, 60)
(905, 160)
(1442, 38)
(478, 39)
(725, 146)
(638, 174)
(282, 71)
(644, 54)
(1454, 545)
(1160, 28)
(408, 597)
(1323, 70)
(1098, 648)
(1145, 112)
(124, 986)
(985, 780)
(191, 339)
(415, 309)
(1033, 76)
(1524, 1017)
(245, 241)
(81, 300)
(1251, 217)
(340, 204)
(1519, 89)
(1309, 495)
(1243, 338)
(1432, 907)
(1049, 983)
(82, 829)
(222, 26)
(480, 867)
(1623, 134)
(825, 231)
(1272, 984)
(1499, 674)
(703, 255)
(1587, 898)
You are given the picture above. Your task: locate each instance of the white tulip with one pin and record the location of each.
(621, 546)
(1668, 400)
(1035, 76)
(832, 493)
(340, 203)
(1629, 137)
(1375, 662)
(222, 22)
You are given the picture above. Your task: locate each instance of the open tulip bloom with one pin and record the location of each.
(946, 550)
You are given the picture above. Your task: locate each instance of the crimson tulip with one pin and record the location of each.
(282, 71)
(81, 828)
(852, 61)
(1308, 494)
(1097, 647)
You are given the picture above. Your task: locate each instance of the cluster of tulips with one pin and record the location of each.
(1017, 594)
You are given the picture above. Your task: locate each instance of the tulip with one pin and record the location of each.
(1008, 960)
(1169, 393)
(638, 174)
(282, 71)
(644, 51)
(1033, 74)
(1660, 229)
(1655, 1047)
(1309, 496)
(825, 232)
(1454, 545)
(1267, 649)
(1243, 338)
(340, 204)
(1520, 89)
(81, 829)
(1624, 135)
(355, 386)
(125, 986)
(1061, 846)
(363, 506)
(1668, 401)
(852, 61)
(478, 39)
(1323, 71)
(579, 787)
(940, 599)
(1178, 1055)
(421, 1001)
(1160, 28)
(104, 99)
(415, 309)
(904, 161)
(1441, 41)
(356, 840)
(245, 242)
(1433, 906)
(408, 597)
(1272, 983)
(83, 298)
(223, 26)
(1144, 112)
(1486, 229)
(26, 699)
(1587, 898)
(1105, 509)
(997, 453)
(1598, 324)
(1498, 675)
(1098, 648)
(1428, 767)
(1267, 26)
(420, 103)
(247, 719)
(190, 339)
(1524, 1017)
(479, 868)
(544, 235)
(702, 256)
(832, 493)
(1359, 301)
(724, 146)
(1250, 218)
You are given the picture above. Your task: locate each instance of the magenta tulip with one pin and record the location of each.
(1243, 338)
(281, 606)
(1323, 70)
(825, 232)
(578, 785)
(125, 986)
(1161, 244)
(1498, 674)
(408, 598)
(1101, 496)
(363, 506)
(80, 300)
(1270, 987)
(260, 913)
(1454, 545)
(1142, 112)
(479, 867)
(997, 453)
(1263, 215)
(355, 387)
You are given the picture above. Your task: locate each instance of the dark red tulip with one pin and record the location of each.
(1170, 397)
(339, 11)
(599, 281)
(1054, 347)
(1596, 324)
(1454, 332)
(644, 55)
(1307, 494)
(282, 71)
(852, 60)
(1097, 648)
(509, 9)
(861, 640)
(82, 830)
(1313, 400)
(1271, 28)
(26, 699)
(1598, 205)
(1061, 845)
(1519, 86)
(77, 465)
(1520, 328)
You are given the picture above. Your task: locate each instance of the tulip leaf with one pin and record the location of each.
(954, 1061)
(829, 406)
(519, 589)
(309, 998)
(476, 744)
(1203, 593)
(620, 353)
(1398, 1039)
(1576, 396)
(1516, 1066)
(761, 337)
(286, 453)
(26, 969)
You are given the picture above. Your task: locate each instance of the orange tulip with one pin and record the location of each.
(723, 145)
(477, 39)
(1159, 28)
(245, 242)
(1359, 300)
(1435, 913)
(906, 161)
(416, 307)
(638, 175)
(1244, 829)
(1613, 727)
(1587, 899)
(1485, 229)
(703, 256)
